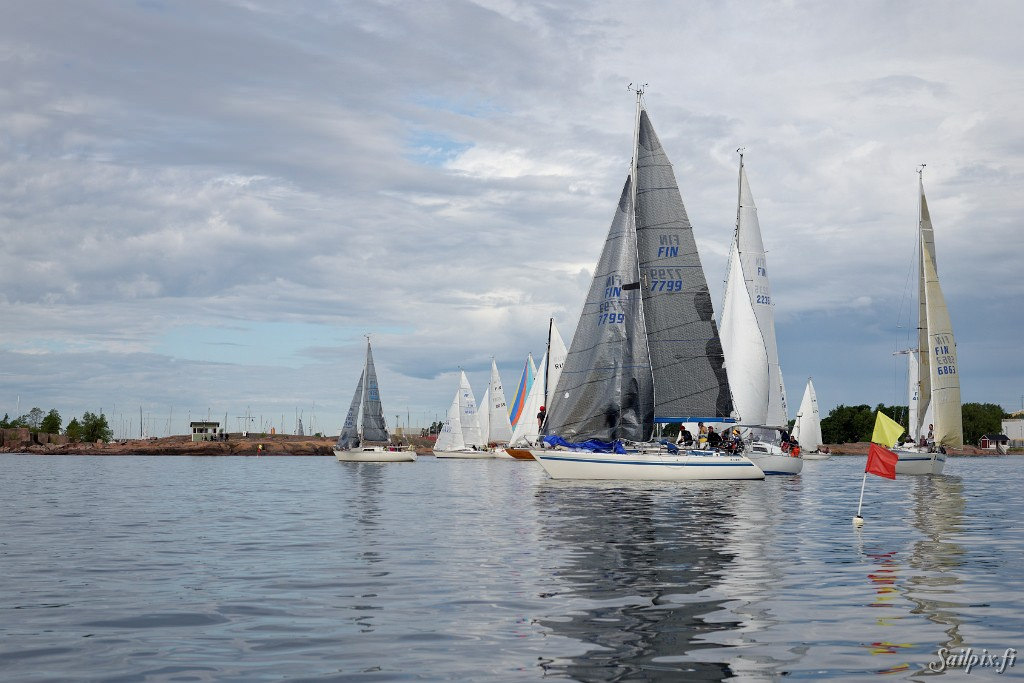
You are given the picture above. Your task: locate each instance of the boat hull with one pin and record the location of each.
(520, 453)
(373, 454)
(465, 455)
(772, 459)
(777, 463)
(637, 466)
(919, 462)
(815, 456)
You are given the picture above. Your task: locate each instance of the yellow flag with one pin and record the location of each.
(887, 430)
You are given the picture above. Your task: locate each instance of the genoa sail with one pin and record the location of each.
(350, 432)
(606, 390)
(747, 357)
(450, 437)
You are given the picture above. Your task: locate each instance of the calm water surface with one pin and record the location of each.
(293, 568)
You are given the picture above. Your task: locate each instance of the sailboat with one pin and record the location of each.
(460, 436)
(364, 436)
(934, 377)
(646, 349)
(748, 333)
(493, 416)
(527, 431)
(807, 428)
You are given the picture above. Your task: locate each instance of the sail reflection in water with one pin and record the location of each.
(643, 563)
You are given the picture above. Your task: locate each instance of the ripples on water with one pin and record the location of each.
(247, 569)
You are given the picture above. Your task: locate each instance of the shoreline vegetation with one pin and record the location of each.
(282, 444)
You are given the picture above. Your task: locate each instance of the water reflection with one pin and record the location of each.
(368, 572)
(642, 575)
(935, 584)
(923, 581)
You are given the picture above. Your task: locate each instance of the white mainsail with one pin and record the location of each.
(499, 429)
(807, 428)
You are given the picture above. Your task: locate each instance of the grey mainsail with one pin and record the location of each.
(605, 390)
(349, 433)
(686, 353)
(373, 427)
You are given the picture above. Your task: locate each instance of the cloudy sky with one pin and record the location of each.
(205, 206)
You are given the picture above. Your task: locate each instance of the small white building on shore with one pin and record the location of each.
(205, 431)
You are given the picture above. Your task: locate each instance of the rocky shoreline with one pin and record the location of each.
(235, 444)
(278, 444)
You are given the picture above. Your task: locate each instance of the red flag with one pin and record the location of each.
(881, 461)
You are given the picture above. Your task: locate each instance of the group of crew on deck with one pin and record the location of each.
(707, 437)
(729, 440)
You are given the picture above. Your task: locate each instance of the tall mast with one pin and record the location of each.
(547, 362)
(634, 181)
(362, 401)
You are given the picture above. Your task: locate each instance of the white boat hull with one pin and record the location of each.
(919, 462)
(777, 463)
(652, 466)
(772, 459)
(466, 454)
(815, 456)
(373, 454)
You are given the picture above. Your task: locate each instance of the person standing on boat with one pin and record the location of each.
(714, 438)
(540, 418)
(784, 439)
(702, 436)
(930, 439)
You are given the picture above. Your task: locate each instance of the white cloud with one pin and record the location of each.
(444, 176)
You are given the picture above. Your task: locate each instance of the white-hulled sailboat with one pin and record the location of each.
(460, 436)
(934, 372)
(748, 334)
(807, 427)
(364, 436)
(646, 349)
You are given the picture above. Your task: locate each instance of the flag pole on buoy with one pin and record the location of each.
(881, 461)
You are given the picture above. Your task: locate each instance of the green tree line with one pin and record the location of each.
(850, 424)
(91, 427)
